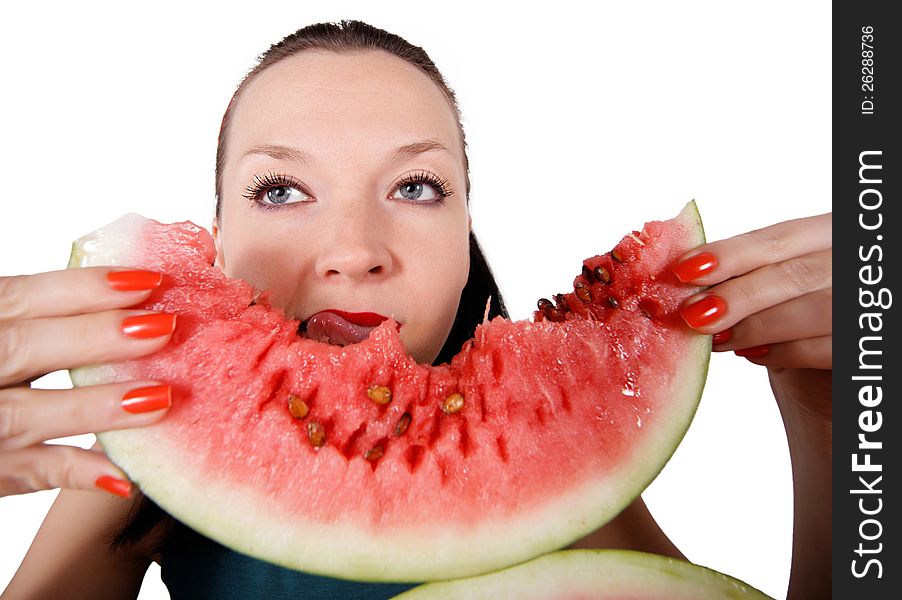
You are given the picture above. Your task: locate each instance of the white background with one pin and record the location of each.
(583, 123)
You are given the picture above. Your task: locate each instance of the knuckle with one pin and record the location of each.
(62, 470)
(801, 275)
(23, 473)
(18, 483)
(11, 422)
(13, 358)
(773, 244)
(14, 431)
(823, 308)
(825, 262)
(13, 299)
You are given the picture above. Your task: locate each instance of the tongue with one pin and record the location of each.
(330, 328)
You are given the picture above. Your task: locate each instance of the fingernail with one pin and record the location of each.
(722, 336)
(705, 311)
(753, 352)
(147, 399)
(133, 281)
(148, 326)
(113, 485)
(695, 266)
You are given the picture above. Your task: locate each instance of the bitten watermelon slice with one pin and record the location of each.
(358, 462)
(594, 575)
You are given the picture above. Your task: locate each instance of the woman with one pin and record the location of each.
(394, 238)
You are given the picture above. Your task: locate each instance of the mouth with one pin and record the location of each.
(339, 327)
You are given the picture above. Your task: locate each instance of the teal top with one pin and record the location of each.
(201, 568)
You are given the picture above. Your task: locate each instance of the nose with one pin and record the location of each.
(354, 245)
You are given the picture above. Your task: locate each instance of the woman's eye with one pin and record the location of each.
(415, 191)
(275, 189)
(283, 194)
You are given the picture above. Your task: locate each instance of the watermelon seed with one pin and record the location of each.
(582, 292)
(297, 406)
(561, 303)
(549, 311)
(613, 302)
(615, 254)
(587, 273)
(316, 433)
(374, 453)
(379, 394)
(645, 311)
(602, 275)
(453, 404)
(403, 424)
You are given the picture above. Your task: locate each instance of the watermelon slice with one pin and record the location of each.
(357, 462)
(594, 575)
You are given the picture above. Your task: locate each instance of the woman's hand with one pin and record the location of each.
(770, 301)
(61, 320)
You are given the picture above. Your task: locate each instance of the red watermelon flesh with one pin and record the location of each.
(534, 435)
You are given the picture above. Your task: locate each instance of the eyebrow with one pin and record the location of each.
(408, 151)
(280, 153)
(405, 152)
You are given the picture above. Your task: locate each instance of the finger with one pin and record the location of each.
(718, 261)
(48, 466)
(729, 302)
(810, 353)
(35, 346)
(74, 291)
(30, 416)
(808, 316)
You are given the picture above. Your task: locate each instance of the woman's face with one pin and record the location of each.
(314, 204)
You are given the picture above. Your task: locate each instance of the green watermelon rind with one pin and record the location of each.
(343, 550)
(600, 574)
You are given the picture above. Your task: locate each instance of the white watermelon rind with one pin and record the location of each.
(597, 574)
(237, 520)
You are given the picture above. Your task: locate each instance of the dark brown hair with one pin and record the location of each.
(342, 37)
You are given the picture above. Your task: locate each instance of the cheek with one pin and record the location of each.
(262, 259)
(435, 296)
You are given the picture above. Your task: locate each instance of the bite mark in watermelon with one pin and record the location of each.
(535, 434)
(594, 575)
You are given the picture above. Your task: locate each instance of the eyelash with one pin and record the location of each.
(263, 184)
(440, 184)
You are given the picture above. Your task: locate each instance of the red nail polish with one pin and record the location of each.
(753, 352)
(133, 281)
(695, 266)
(707, 310)
(148, 326)
(147, 399)
(113, 485)
(722, 336)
